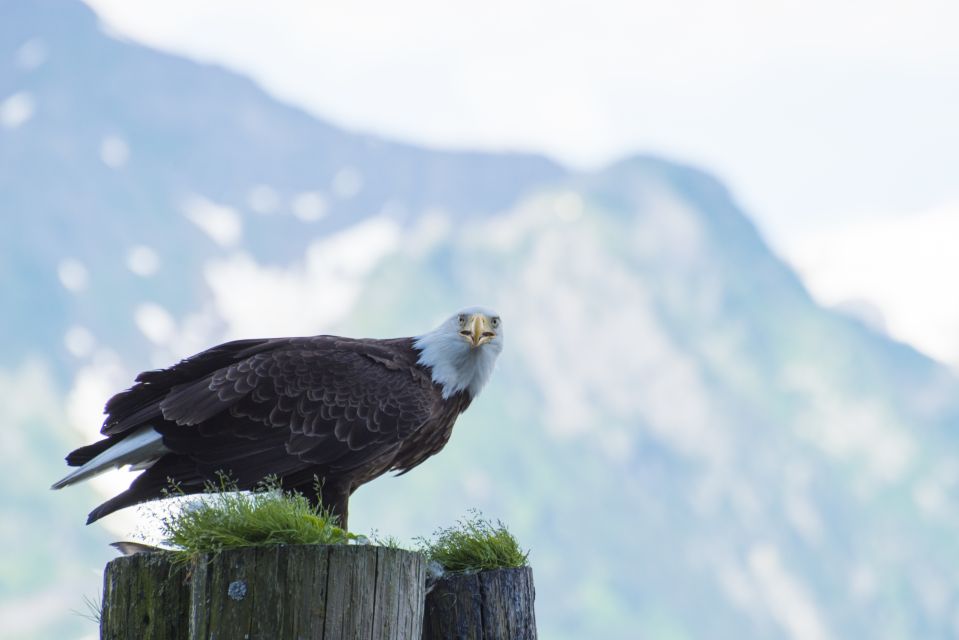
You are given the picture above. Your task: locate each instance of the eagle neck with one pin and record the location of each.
(453, 365)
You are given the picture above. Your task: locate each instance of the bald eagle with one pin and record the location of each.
(342, 411)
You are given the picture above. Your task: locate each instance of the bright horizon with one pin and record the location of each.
(833, 125)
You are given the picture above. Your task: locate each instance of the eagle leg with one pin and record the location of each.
(332, 496)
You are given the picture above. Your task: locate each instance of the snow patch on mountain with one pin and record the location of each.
(310, 206)
(221, 223)
(347, 183)
(155, 322)
(263, 199)
(307, 297)
(143, 260)
(32, 54)
(786, 598)
(114, 151)
(73, 275)
(79, 341)
(17, 110)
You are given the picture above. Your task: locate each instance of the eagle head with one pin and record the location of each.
(461, 352)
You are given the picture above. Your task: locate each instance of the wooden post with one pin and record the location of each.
(147, 593)
(278, 593)
(489, 605)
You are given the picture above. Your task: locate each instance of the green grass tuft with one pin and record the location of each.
(224, 518)
(474, 544)
(94, 610)
(390, 542)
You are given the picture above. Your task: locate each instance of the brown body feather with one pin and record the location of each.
(341, 410)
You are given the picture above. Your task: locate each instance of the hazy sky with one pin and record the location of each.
(833, 122)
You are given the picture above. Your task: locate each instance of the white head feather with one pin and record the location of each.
(457, 363)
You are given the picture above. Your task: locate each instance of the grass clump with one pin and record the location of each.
(224, 518)
(390, 542)
(93, 609)
(474, 544)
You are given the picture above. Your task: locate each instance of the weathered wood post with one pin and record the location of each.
(489, 605)
(145, 595)
(289, 592)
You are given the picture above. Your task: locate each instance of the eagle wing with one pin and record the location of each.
(317, 402)
(297, 408)
(325, 403)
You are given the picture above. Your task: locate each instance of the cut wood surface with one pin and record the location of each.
(489, 605)
(277, 593)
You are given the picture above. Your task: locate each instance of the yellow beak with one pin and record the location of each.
(478, 330)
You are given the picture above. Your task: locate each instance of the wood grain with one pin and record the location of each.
(297, 592)
(490, 605)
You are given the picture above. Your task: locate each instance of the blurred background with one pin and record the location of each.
(721, 236)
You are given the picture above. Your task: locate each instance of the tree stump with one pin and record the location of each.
(278, 593)
(489, 605)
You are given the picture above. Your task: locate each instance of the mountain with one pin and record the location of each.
(130, 136)
(688, 444)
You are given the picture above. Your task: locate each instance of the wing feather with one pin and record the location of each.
(140, 403)
(321, 401)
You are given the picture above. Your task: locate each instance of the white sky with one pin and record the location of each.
(826, 118)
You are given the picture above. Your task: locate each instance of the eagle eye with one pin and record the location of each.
(462, 320)
(495, 322)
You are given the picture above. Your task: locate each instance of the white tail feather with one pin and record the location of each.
(140, 449)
